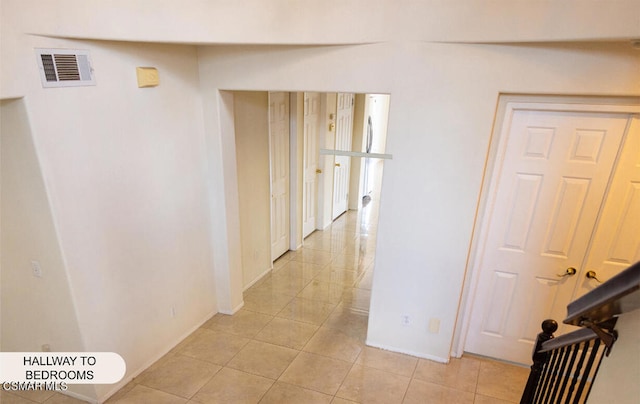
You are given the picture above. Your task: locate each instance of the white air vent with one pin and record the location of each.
(65, 68)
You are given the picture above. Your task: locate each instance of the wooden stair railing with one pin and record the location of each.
(564, 367)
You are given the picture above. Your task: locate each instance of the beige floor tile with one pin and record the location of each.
(324, 292)
(182, 344)
(38, 396)
(145, 395)
(266, 303)
(263, 359)
(299, 269)
(334, 344)
(365, 280)
(358, 300)
(480, 399)
(316, 236)
(214, 346)
(59, 398)
(181, 376)
(347, 233)
(325, 244)
(501, 380)
(283, 393)
(338, 400)
(308, 311)
(282, 260)
(287, 285)
(288, 333)
(367, 385)
(233, 386)
(353, 262)
(461, 374)
(420, 392)
(244, 323)
(124, 390)
(316, 372)
(312, 256)
(333, 274)
(387, 361)
(349, 320)
(11, 398)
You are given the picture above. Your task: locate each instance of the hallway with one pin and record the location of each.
(300, 338)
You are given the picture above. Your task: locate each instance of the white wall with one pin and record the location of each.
(617, 380)
(444, 100)
(126, 173)
(308, 22)
(254, 184)
(34, 310)
(143, 183)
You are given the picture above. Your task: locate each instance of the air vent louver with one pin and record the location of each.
(65, 68)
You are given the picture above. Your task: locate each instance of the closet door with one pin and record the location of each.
(341, 171)
(279, 156)
(546, 193)
(616, 242)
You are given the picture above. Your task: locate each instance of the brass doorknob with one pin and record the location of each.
(318, 171)
(337, 164)
(569, 272)
(592, 275)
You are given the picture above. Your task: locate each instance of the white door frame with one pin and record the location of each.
(507, 104)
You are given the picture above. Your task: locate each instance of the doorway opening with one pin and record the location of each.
(330, 257)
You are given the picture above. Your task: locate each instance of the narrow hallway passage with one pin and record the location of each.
(300, 338)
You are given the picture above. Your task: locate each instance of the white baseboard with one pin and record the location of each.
(258, 278)
(407, 352)
(80, 397)
(234, 310)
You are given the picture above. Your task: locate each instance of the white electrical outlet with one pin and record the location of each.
(173, 311)
(35, 269)
(405, 320)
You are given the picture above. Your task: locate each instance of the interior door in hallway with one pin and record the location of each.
(341, 169)
(310, 162)
(616, 241)
(548, 186)
(279, 156)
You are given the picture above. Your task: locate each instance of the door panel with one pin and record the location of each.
(616, 242)
(544, 200)
(341, 172)
(279, 145)
(310, 162)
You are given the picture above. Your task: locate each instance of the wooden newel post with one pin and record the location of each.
(539, 358)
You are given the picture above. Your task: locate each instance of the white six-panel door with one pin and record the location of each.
(310, 162)
(279, 156)
(547, 190)
(341, 171)
(616, 241)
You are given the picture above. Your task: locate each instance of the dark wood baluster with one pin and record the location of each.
(574, 354)
(551, 377)
(587, 370)
(548, 328)
(576, 374)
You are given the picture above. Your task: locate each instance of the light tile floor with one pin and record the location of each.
(300, 339)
